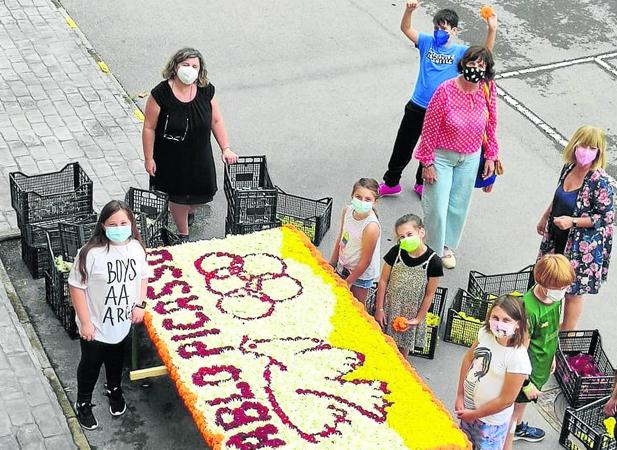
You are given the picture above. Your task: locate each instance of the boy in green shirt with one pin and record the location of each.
(553, 275)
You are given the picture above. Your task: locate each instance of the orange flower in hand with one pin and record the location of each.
(486, 11)
(399, 324)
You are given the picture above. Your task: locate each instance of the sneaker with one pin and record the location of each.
(85, 417)
(418, 189)
(386, 191)
(448, 260)
(117, 405)
(191, 219)
(526, 433)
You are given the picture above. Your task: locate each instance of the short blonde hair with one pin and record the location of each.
(554, 271)
(169, 72)
(587, 136)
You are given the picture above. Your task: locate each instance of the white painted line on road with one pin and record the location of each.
(531, 116)
(599, 59)
(606, 66)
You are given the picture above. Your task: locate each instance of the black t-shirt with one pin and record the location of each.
(435, 268)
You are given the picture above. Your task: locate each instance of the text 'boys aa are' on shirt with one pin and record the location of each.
(487, 374)
(112, 288)
(437, 64)
(456, 121)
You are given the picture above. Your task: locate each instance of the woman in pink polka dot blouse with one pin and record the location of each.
(457, 117)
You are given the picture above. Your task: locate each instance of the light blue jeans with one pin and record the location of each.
(446, 202)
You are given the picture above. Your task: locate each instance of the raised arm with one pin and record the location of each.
(491, 32)
(406, 27)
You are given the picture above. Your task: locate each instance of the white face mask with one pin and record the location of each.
(187, 74)
(556, 295)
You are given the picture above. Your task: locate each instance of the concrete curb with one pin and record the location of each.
(79, 438)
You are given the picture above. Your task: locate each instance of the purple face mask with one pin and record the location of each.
(585, 155)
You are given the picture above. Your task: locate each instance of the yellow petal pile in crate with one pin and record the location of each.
(268, 349)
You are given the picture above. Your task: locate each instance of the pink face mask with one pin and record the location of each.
(585, 155)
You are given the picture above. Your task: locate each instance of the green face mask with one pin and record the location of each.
(410, 243)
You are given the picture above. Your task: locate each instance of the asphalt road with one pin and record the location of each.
(319, 87)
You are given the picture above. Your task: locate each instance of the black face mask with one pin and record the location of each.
(473, 74)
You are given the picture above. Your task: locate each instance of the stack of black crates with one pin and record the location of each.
(583, 423)
(41, 201)
(468, 310)
(151, 215)
(62, 245)
(432, 331)
(254, 203)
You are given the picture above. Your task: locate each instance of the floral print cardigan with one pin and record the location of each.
(588, 249)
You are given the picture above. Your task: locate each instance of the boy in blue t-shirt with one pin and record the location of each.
(438, 60)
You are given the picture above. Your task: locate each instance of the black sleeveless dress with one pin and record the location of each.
(182, 149)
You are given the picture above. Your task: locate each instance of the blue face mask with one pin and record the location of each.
(361, 207)
(118, 235)
(441, 37)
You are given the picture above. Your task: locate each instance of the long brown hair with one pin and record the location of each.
(100, 239)
(513, 306)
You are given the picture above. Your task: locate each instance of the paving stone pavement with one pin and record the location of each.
(30, 416)
(58, 106)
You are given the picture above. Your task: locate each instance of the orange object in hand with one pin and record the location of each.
(486, 11)
(399, 324)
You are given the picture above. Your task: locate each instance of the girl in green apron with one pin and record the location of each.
(407, 284)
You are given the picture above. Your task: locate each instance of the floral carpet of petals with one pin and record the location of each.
(268, 349)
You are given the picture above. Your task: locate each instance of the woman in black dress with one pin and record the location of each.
(181, 114)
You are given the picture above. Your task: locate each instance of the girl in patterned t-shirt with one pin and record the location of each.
(492, 374)
(108, 283)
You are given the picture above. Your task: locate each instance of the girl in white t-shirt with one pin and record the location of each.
(492, 374)
(356, 252)
(108, 283)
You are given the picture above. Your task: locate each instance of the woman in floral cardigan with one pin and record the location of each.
(579, 221)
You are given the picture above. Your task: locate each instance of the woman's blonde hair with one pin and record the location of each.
(587, 136)
(553, 271)
(169, 72)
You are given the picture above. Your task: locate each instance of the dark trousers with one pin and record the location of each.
(93, 355)
(406, 139)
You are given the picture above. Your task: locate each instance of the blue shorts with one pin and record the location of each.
(344, 273)
(365, 284)
(484, 436)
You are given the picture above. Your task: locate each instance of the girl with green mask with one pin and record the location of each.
(409, 279)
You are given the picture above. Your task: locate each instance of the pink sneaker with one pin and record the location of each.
(385, 190)
(418, 189)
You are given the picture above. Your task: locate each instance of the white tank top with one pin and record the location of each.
(350, 246)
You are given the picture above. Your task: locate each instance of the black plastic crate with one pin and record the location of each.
(246, 228)
(465, 317)
(35, 233)
(493, 286)
(251, 196)
(583, 428)
(432, 332)
(153, 208)
(36, 257)
(580, 390)
(42, 197)
(310, 216)
(57, 288)
(164, 237)
(73, 235)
